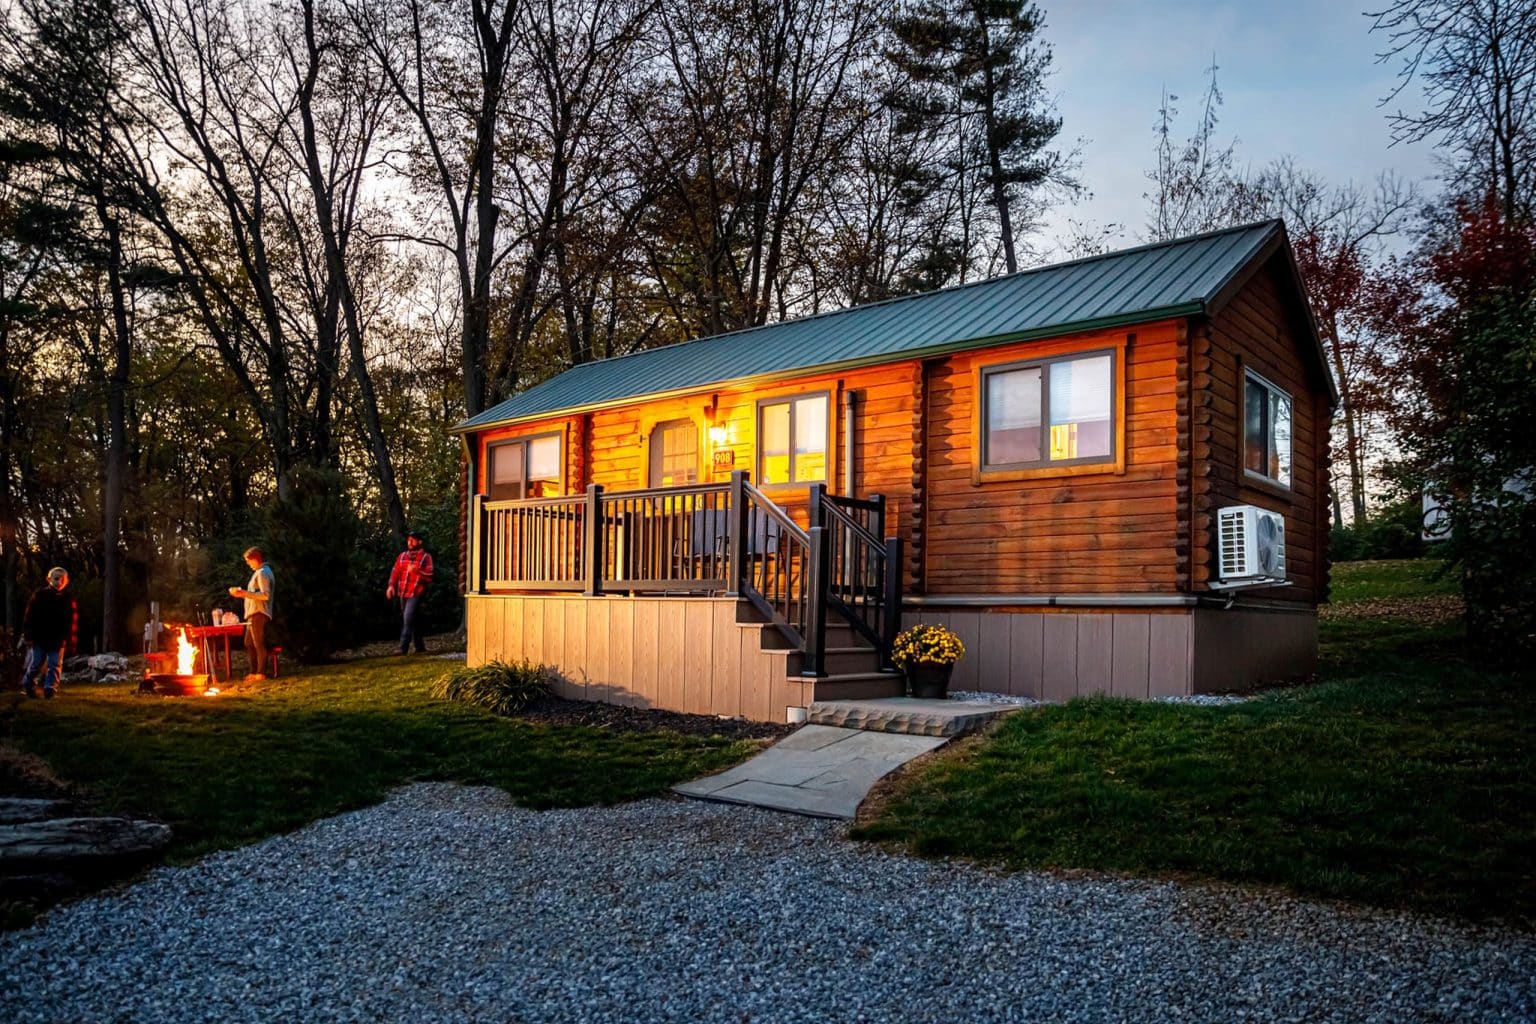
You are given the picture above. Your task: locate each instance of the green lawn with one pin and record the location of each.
(1407, 777)
(1357, 582)
(234, 768)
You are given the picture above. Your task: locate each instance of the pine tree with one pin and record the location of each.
(979, 68)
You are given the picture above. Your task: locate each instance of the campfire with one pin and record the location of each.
(186, 680)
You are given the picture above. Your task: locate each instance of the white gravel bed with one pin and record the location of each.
(997, 699)
(1009, 700)
(450, 904)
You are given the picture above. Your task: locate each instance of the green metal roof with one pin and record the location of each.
(1177, 278)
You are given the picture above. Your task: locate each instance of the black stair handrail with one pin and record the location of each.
(863, 578)
(780, 569)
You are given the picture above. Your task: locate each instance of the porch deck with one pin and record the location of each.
(708, 599)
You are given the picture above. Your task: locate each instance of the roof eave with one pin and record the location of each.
(1055, 330)
(1279, 243)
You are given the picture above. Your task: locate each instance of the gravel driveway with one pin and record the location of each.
(450, 904)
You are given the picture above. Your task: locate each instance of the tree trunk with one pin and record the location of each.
(340, 280)
(117, 439)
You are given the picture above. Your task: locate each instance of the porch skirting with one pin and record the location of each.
(1138, 652)
(688, 654)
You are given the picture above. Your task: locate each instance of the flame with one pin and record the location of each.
(186, 655)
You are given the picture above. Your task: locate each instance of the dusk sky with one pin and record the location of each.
(1299, 79)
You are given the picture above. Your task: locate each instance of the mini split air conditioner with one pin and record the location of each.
(1250, 547)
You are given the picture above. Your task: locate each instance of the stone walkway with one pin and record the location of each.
(826, 770)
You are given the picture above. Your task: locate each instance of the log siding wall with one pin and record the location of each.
(1257, 330)
(1106, 531)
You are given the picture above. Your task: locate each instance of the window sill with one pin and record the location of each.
(797, 488)
(994, 476)
(1266, 485)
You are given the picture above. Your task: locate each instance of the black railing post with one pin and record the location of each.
(891, 624)
(818, 568)
(818, 495)
(877, 518)
(736, 526)
(593, 542)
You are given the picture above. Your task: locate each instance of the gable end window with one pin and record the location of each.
(525, 468)
(1267, 426)
(792, 439)
(1052, 412)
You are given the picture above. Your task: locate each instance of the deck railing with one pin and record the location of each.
(709, 538)
(863, 579)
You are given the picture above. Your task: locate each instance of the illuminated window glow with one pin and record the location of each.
(792, 440)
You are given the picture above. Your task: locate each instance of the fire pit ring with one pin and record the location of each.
(170, 684)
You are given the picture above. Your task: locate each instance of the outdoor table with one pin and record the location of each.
(206, 635)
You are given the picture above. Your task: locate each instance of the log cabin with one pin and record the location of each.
(1107, 476)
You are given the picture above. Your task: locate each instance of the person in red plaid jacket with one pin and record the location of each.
(408, 581)
(51, 625)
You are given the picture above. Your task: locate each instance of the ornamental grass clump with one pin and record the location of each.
(497, 686)
(925, 644)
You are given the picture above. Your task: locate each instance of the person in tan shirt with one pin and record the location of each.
(257, 594)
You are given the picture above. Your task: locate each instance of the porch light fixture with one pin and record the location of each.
(717, 435)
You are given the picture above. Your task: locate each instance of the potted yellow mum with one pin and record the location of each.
(927, 654)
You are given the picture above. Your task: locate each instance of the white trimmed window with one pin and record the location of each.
(674, 453)
(792, 439)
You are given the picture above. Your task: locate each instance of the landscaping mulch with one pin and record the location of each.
(558, 711)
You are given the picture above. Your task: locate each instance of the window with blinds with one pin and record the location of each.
(528, 468)
(1049, 413)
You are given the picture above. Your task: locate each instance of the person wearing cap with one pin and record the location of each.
(408, 581)
(51, 625)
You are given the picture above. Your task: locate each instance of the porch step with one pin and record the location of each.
(907, 715)
(839, 660)
(853, 686)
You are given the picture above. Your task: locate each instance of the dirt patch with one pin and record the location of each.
(442, 643)
(22, 774)
(556, 711)
(1425, 611)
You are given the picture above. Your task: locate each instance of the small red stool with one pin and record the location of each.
(272, 654)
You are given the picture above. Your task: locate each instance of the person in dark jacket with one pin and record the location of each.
(52, 626)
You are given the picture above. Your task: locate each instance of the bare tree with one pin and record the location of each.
(767, 96)
(422, 52)
(1476, 60)
(336, 129)
(1197, 185)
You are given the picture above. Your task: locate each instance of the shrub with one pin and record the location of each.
(498, 687)
(310, 539)
(1394, 531)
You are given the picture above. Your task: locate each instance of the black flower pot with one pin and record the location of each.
(929, 682)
